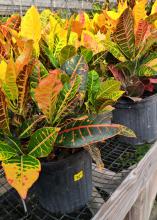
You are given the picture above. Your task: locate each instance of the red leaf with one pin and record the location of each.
(118, 75)
(143, 31)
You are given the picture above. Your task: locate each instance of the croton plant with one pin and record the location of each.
(43, 109)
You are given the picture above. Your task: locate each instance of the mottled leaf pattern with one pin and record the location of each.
(82, 133)
(77, 65)
(42, 141)
(124, 34)
(21, 172)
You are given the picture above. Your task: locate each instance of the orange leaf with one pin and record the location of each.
(47, 92)
(25, 56)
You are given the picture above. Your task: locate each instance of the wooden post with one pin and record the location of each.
(141, 209)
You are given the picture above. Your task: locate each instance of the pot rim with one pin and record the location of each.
(70, 157)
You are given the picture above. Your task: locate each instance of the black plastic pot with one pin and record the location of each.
(139, 116)
(66, 185)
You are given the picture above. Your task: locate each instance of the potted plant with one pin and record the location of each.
(54, 140)
(136, 70)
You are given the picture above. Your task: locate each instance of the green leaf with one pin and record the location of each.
(15, 144)
(52, 58)
(28, 126)
(7, 151)
(86, 132)
(87, 54)
(42, 141)
(124, 34)
(21, 172)
(110, 89)
(113, 48)
(66, 53)
(93, 86)
(67, 100)
(77, 65)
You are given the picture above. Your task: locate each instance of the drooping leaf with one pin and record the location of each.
(25, 56)
(93, 86)
(95, 153)
(66, 53)
(21, 172)
(4, 122)
(82, 133)
(42, 141)
(46, 94)
(6, 151)
(31, 27)
(124, 34)
(77, 65)
(67, 99)
(117, 73)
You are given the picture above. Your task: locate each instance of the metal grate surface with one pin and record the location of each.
(117, 158)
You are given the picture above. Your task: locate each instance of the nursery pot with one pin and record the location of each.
(66, 185)
(139, 116)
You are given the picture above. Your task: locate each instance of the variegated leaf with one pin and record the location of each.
(93, 129)
(22, 84)
(110, 89)
(124, 34)
(4, 121)
(25, 56)
(42, 141)
(7, 151)
(77, 65)
(143, 31)
(21, 172)
(65, 103)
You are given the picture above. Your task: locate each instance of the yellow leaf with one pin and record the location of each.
(22, 172)
(154, 8)
(122, 5)
(44, 17)
(3, 69)
(31, 27)
(139, 12)
(112, 14)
